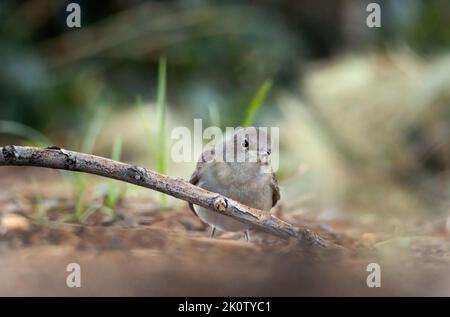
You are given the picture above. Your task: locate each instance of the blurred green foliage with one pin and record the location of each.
(53, 78)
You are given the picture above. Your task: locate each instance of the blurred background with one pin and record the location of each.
(364, 113)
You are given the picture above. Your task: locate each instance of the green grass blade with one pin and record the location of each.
(115, 192)
(40, 208)
(256, 103)
(79, 180)
(38, 139)
(161, 115)
(24, 131)
(80, 207)
(214, 114)
(93, 131)
(117, 149)
(145, 113)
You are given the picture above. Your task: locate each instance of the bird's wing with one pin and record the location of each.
(194, 181)
(275, 190)
(195, 178)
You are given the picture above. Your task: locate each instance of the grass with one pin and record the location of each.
(214, 114)
(24, 131)
(111, 196)
(39, 139)
(39, 208)
(93, 131)
(36, 138)
(111, 193)
(256, 103)
(144, 119)
(161, 115)
(79, 180)
(115, 191)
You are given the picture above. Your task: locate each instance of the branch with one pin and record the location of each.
(57, 158)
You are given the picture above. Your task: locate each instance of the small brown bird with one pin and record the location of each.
(238, 168)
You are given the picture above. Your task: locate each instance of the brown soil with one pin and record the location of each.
(147, 252)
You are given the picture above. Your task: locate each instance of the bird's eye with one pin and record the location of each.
(245, 144)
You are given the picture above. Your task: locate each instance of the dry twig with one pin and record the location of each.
(57, 158)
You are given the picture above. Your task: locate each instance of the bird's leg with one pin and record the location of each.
(213, 230)
(246, 235)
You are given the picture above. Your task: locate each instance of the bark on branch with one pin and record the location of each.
(57, 158)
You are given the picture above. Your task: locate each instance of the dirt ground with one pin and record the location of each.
(149, 253)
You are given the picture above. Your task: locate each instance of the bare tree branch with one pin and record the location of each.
(57, 158)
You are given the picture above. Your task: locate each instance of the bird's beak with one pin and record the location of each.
(264, 158)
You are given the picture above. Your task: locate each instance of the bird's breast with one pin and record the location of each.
(252, 191)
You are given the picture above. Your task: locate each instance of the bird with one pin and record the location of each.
(238, 168)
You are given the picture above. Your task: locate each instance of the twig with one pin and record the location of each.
(57, 158)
